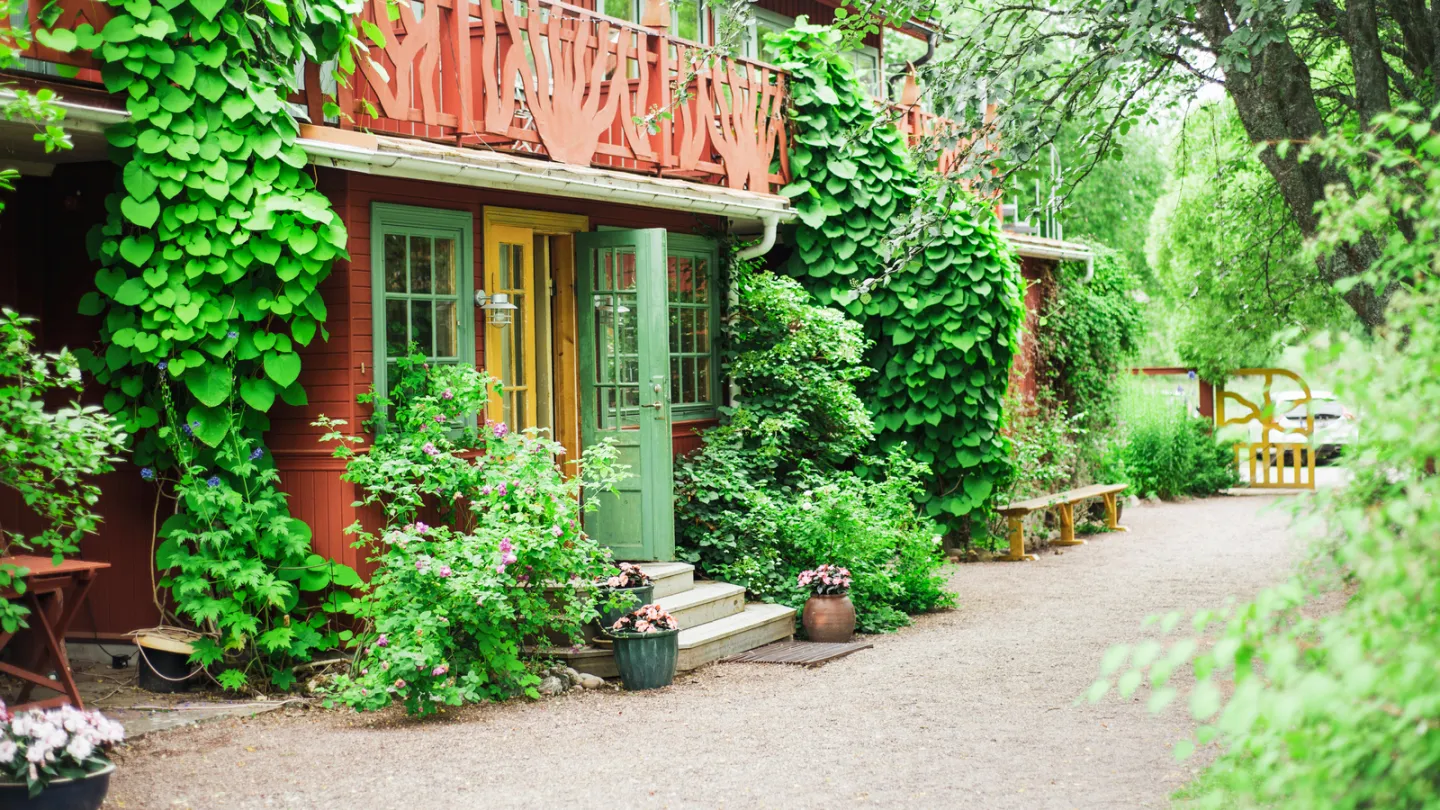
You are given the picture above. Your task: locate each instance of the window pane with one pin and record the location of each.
(445, 267)
(604, 269)
(702, 281)
(422, 326)
(518, 330)
(687, 19)
(447, 342)
(419, 265)
(675, 329)
(518, 419)
(624, 9)
(687, 330)
(503, 271)
(604, 338)
(625, 258)
(397, 326)
(687, 373)
(394, 262)
(677, 387)
(671, 262)
(702, 380)
(683, 290)
(702, 330)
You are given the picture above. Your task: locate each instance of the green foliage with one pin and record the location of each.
(944, 316)
(1338, 710)
(772, 493)
(1112, 204)
(1228, 254)
(450, 609)
(1045, 449)
(36, 107)
(49, 457)
(1088, 334)
(211, 257)
(1162, 451)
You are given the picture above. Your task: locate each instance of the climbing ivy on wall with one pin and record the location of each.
(211, 257)
(944, 326)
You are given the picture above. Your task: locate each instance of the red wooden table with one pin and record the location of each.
(54, 594)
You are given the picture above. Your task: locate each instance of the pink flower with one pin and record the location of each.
(500, 569)
(399, 683)
(382, 641)
(486, 490)
(506, 546)
(509, 559)
(501, 430)
(447, 394)
(443, 571)
(501, 489)
(457, 496)
(440, 417)
(439, 670)
(556, 530)
(429, 449)
(421, 564)
(421, 527)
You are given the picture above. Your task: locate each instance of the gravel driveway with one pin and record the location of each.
(973, 708)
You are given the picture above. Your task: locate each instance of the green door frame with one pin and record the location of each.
(625, 385)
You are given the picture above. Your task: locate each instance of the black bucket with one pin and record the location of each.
(165, 671)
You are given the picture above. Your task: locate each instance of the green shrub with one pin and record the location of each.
(781, 485)
(451, 608)
(1162, 451)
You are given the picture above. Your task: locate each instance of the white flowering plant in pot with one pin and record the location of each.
(40, 747)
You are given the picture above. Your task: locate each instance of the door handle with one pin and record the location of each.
(659, 403)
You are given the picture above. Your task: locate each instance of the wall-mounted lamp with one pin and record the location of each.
(497, 308)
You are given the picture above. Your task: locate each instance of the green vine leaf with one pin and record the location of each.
(282, 367)
(210, 383)
(258, 393)
(210, 425)
(140, 213)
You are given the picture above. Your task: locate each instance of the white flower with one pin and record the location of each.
(79, 749)
(37, 753)
(8, 750)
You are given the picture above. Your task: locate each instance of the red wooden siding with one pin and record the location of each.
(1039, 288)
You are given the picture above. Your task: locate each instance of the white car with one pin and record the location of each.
(1335, 426)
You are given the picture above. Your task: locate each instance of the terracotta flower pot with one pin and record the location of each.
(82, 793)
(647, 660)
(829, 619)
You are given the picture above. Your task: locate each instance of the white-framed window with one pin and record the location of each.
(688, 18)
(866, 61)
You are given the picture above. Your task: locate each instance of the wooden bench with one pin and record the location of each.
(1064, 501)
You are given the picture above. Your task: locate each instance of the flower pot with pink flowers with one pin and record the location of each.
(57, 759)
(647, 647)
(829, 615)
(627, 589)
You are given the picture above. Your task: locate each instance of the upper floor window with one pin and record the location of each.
(865, 59)
(687, 17)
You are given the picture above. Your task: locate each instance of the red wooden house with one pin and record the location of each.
(466, 184)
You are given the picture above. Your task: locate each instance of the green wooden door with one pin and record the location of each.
(624, 386)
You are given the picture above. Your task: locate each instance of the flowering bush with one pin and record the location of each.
(452, 606)
(645, 619)
(38, 747)
(827, 580)
(630, 576)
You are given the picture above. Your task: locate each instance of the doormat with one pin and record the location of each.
(803, 653)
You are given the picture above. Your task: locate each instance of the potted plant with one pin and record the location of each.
(829, 615)
(647, 647)
(629, 588)
(57, 759)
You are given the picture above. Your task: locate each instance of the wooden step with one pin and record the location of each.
(670, 577)
(756, 625)
(706, 602)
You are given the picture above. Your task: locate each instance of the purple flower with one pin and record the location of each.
(232, 334)
(442, 571)
(421, 527)
(440, 417)
(162, 365)
(499, 569)
(501, 489)
(189, 431)
(257, 453)
(147, 473)
(440, 669)
(501, 430)
(429, 449)
(213, 481)
(486, 490)
(506, 546)
(556, 530)
(399, 683)
(421, 564)
(447, 394)
(509, 559)
(382, 641)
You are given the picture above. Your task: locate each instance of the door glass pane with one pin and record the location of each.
(677, 384)
(702, 281)
(447, 342)
(625, 259)
(507, 363)
(445, 267)
(682, 290)
(397, 321)
(517, 329)
(505, 273)
(419, 264)
(702, 331)
(394, 262)
(422, 326)
(702, 380)
(604, 269)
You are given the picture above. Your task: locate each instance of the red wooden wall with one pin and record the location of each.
(1039, 287)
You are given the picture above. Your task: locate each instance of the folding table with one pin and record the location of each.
(69, 583)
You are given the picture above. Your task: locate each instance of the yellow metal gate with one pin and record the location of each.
(1277, 456)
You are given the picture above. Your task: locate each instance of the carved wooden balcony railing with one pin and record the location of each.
(552, 79)
(916, 124)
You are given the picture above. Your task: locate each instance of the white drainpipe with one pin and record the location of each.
(767, 240)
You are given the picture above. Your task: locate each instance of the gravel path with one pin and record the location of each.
(973, 708)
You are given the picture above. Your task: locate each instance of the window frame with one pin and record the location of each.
(410, 220)
(692, 246)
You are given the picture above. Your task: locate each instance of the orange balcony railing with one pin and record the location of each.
(556, 80)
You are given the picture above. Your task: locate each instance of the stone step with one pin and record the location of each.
(755, 626)
(670, 577)
(758, 624)
(705, 602)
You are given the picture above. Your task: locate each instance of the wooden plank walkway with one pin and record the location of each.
(803, 653)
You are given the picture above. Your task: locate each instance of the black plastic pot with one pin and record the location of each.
(646, 660)
(85, 793)
(165, 671)
(642, 595)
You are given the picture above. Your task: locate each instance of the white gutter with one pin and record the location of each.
(481, 169)
(1035, 247)
(78, 117)
(767, 240)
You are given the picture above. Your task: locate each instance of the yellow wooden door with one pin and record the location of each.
(510, 349)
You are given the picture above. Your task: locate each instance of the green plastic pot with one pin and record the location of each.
(643, 595)
(646, 660)
(83, 793)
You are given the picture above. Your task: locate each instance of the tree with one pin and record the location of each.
(1294, 70)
